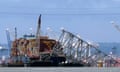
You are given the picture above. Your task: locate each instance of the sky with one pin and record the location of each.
(91, 19)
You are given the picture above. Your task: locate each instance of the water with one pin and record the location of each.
(105, 47)
(110, 47)
(60, 69)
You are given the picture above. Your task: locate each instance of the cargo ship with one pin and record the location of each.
(36, 50)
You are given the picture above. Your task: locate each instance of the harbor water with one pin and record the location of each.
(60, 69)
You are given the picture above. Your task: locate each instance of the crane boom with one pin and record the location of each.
(38, 27)
(38, 36)
(116, 26)
(9, 40)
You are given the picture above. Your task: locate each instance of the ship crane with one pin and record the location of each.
(8, 37)
(38, 36)
(9, 40)
(38, 27)
(118, 28)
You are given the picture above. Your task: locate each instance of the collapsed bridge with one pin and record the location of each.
(77, 50)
